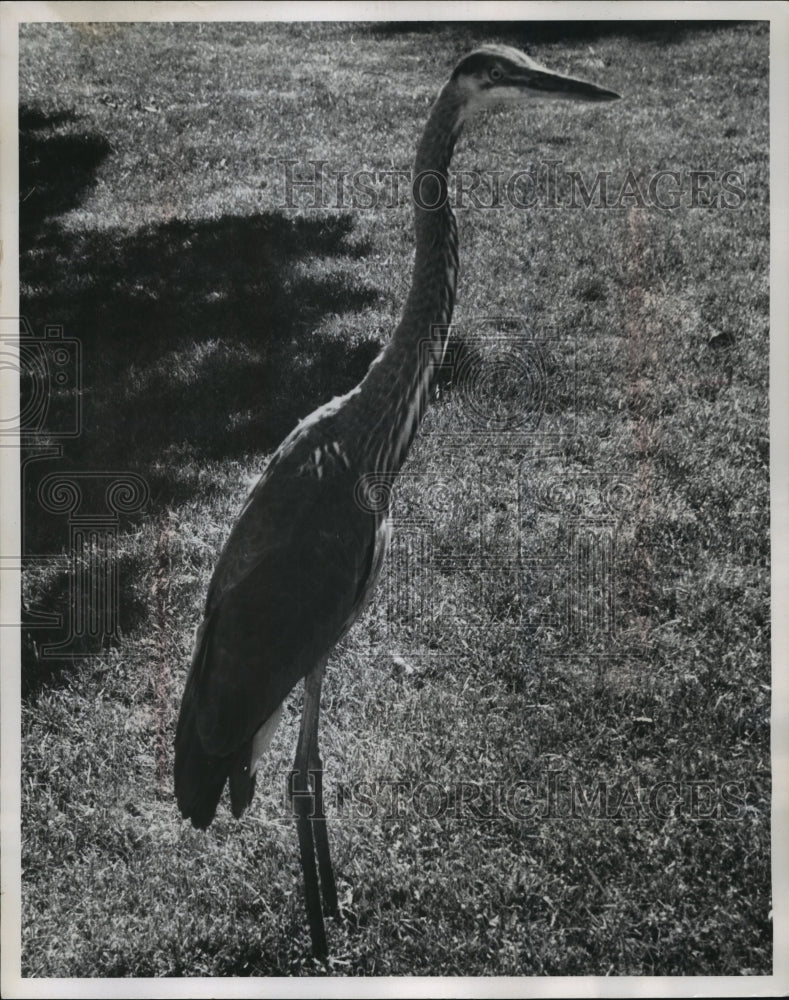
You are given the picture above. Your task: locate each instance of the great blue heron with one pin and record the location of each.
(306, 550)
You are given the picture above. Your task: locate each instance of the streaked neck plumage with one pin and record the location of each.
(393, 395)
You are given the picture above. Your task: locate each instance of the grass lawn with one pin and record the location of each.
(523, 777)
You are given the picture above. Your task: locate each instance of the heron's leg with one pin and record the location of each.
(311, 891)
(328, 886)
(304, 807)
(312, 690)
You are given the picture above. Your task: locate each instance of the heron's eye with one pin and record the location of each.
(495, 74)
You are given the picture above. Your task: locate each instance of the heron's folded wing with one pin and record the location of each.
(285, 589)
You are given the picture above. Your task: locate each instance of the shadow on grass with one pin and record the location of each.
(524, 33)
(196, 338)
(55, 170)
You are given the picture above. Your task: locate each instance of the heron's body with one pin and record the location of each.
(307, 549)
(272, 613)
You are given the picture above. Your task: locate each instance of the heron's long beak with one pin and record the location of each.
(550, 84)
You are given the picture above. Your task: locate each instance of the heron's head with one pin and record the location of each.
(499, 74)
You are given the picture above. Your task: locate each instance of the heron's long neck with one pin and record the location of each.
(394, 393)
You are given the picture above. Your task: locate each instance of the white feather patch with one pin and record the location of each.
(263, 737)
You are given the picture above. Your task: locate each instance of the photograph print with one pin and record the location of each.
(394, 474)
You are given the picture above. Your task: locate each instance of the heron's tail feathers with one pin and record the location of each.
(199, 779)
(242, 771)
(199, 776)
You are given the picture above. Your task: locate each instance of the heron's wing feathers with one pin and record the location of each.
(289, 582)
(295, 479)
